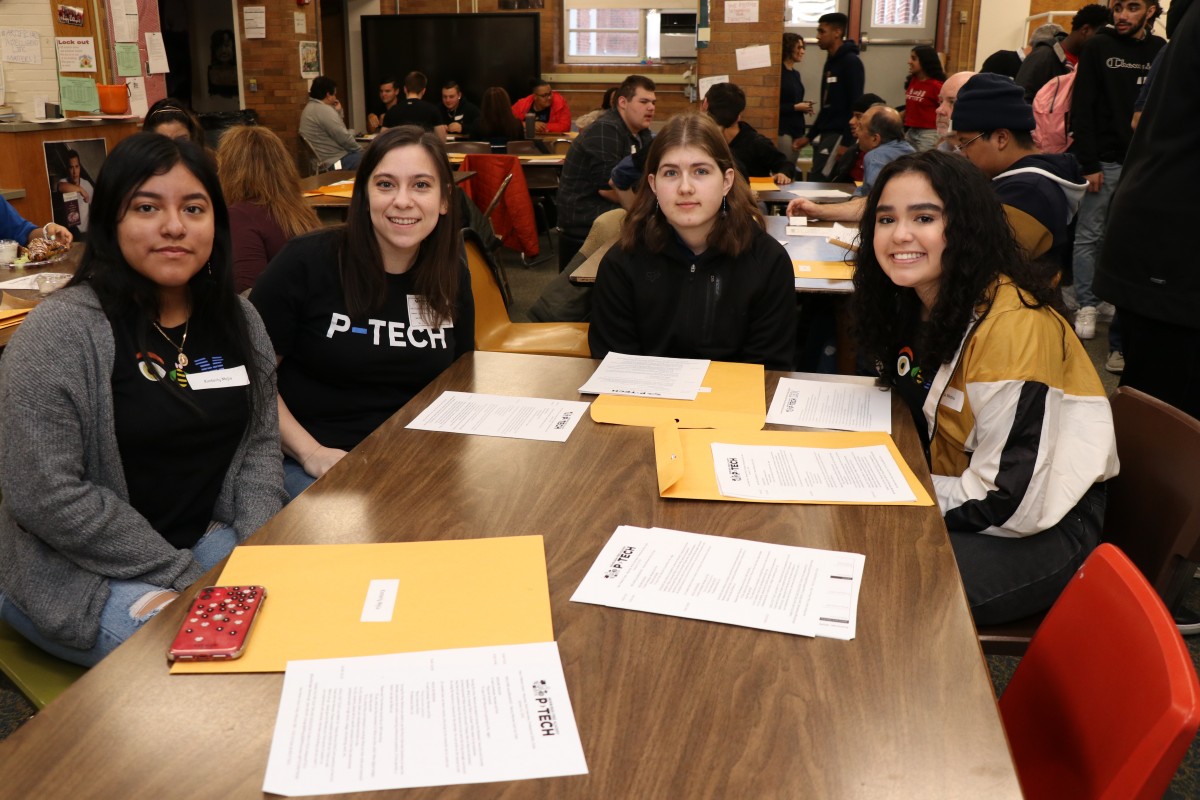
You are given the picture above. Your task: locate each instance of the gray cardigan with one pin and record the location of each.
(66, 525)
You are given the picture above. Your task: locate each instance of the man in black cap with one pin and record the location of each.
(1041, 193)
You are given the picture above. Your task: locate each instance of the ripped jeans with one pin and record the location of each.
(117, 623)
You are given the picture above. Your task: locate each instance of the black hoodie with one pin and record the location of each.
(841, 84)
(1107, 80)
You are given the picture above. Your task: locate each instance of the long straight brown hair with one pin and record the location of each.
(255, 167)
(437, 270)
(646, 226)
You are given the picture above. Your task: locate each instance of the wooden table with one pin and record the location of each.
(666, 707)
(782, 195)
(27, 298)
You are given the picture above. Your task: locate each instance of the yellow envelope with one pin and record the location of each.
(685, 462)
(737, 400)
(763, 184)
(833, 270)
(454, 593)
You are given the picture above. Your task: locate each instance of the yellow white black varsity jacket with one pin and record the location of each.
(1019, 424)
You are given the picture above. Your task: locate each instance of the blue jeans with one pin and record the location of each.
(1089, 233)
(295, 479)
(350, 160)
(1007, 579)
(116, 622)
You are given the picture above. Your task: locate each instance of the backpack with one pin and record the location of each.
(1052, 114)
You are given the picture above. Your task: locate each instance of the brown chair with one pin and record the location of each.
(494, 329)
(1153, 510)
(526, 147)
(468, 147)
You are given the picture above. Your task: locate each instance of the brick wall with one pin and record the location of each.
(274, 64)
(760, 85)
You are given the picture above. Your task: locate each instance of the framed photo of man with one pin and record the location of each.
(71, 169)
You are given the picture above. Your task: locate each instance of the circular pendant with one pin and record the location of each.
(182, 361)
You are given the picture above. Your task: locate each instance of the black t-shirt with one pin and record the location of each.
(912, 384)
(341, 377)
(175, 459)
(413, 112)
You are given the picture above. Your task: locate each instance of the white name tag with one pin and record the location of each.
(380, 601)
(953, 399)
(794, 221)
(219, 378)
(795, 230)
(831, 79)
(420, 316)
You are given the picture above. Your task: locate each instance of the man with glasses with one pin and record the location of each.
(991, 126)
(550, 110)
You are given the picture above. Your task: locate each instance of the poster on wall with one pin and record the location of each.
(222, 70)
(76, 55)
(71, 167)
(20, 46)
(70, 15)
(310, 60)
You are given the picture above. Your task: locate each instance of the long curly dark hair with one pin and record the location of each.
(980, 247)
(931, 64)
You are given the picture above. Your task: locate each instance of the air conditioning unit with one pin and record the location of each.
(677, 34)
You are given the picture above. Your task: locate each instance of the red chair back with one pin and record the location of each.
(1106, 701)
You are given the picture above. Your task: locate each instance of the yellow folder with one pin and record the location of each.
(832, 270)
(454, 593)
(685, 462)
(735, 398)
(763, 184)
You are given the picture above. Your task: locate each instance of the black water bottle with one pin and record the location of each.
(530, 125)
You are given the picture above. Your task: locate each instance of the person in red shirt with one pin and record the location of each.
(925, 79)
(550, 109)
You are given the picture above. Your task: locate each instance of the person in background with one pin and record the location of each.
(363, 316)
(413, 110)
(266, 208)
(172, 119)
(694, 274)
(460, 115)
(754, 155)
(841, 84)
(14, 226)
(921, 90)
(585, 190)
(137, 448)
(1008, 62)
(389, 95)
(584, 120)
(946, 99)
(881, 138)
(1017, 430)
(1054, 57)
(496, 122)
(792, 105)
(322, 127)
(849, 168)
(550, 110)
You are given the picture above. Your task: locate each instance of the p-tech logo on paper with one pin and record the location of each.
(619, 563)
(565, 421)
(544, 709)
(735, 469)
(389, 332)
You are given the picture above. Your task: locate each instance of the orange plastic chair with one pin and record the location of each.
(1105, 702)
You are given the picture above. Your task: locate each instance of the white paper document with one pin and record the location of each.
(835, 232)
(812, 474)
(819, 194)
(497, 415)
(705, 84)
(433, 718)
(156, 54)
(754, 57)
(831, 404)
(773, 587)
(137, 96)
(741, 11)
(254, 22)
(647, 376)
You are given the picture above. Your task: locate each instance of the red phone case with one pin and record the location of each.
(217, 624)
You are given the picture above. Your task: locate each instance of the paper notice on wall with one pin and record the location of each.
(78, 94)
(156, 53)
(2, 100)
(76, 54)
(20, 46)
(741, 11)
(129, 60)
(707, 83)
(754, 57)
(124, 15)
(254, 22)
(137, 96)
(300, 22)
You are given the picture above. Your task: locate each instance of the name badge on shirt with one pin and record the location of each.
(458, 117)
(420, 316)
(219, 378)
(951, 398)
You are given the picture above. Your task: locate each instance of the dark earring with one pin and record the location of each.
(725, 206)
(210, 268)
